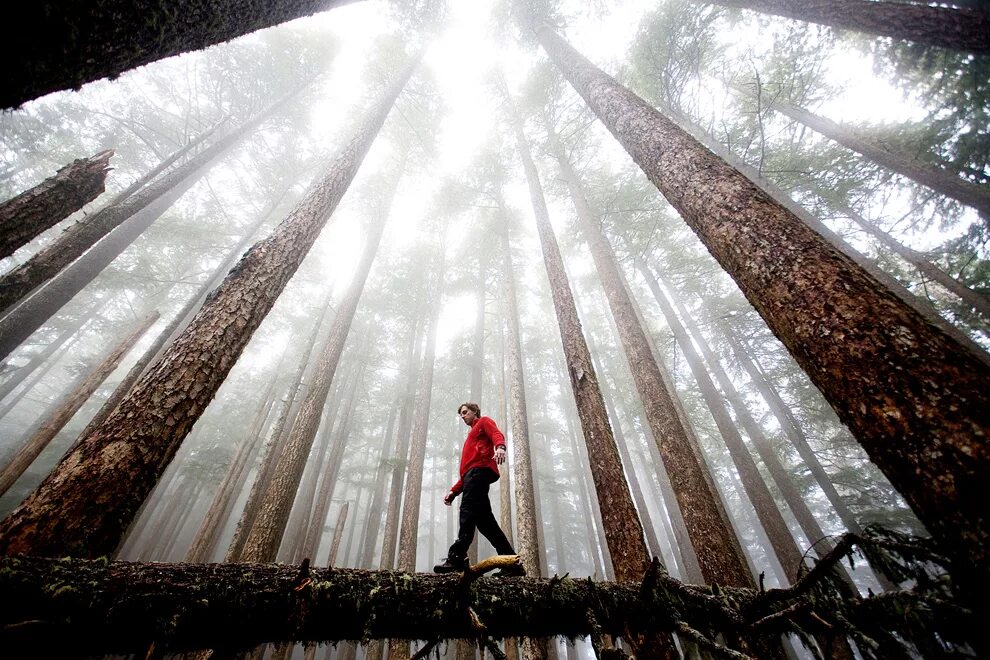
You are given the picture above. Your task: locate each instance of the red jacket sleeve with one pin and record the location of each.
(498, 440)
(458, 487)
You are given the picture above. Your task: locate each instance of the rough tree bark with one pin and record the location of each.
(956, 28)
(53, 46)
(719, 553)
(45, 205)
(914, 398)
(85, 505)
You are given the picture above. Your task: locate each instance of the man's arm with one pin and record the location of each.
(455, 490)
(497, 438)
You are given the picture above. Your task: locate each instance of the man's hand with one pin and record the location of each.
(449, 497)
(499, 455)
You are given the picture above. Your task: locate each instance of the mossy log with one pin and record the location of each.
(82, 606)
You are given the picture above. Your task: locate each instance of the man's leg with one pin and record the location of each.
(489, 527)
(475, 491)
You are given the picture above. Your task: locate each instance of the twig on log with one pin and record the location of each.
(703, 641)
(426, 650)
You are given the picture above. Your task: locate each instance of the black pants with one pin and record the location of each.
(476, 512)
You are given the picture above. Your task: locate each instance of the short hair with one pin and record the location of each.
(470, 405)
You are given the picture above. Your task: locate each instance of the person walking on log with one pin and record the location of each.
(483, 452)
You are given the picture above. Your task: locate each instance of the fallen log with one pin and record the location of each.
(79, 607)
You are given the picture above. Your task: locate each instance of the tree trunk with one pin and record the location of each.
(914, 398)
(203, 543)
(945, 183)
(70, 405)
(85, 505)
(27, 215)
(956, 28)
(43, 284)
(372, 529)
(712, 538)
(52, 46)
(623, 530)
(275, 444)
(409, 531)
(266, 534)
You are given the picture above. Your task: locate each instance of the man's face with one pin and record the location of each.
(467, 415)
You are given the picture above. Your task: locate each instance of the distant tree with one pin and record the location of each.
(958, 28)
(59, 271)
(912, 396)
(51, 201)
(85, 505)
(53, 46)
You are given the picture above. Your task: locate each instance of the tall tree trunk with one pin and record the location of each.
(914, 398)
(945, 183)
(978, 301)
(266, 534)
(48, 280)
(409, 531)
(85, 505)
(712, 538)
(52, 46)
(400, 459)
(206, 537)
(25, 216)
(70, 405)
(623, 531)
(372, 529)
(956, 28)
(275, 444)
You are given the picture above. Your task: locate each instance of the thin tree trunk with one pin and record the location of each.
(371, 531)
(338, 533)
(623, 530)
(408, 535)
(719, 555)
(266, 533)
(945, 183)
(276, 440)
(85, 505)
(70, 405)
(52, 46)
(956, 28)
(43, 284)
(27, 215)
(915, 399)
(203, 543)
(974, 299)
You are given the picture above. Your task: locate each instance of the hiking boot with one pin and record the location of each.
(451, 565)
(514, 570)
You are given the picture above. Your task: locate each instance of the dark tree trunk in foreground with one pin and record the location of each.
(53, 46)
(956, 28)
(51, 201)
(70, 405)
(941, 181)
(40, 287)
(85, 505)
(915, 399)
(719, 553)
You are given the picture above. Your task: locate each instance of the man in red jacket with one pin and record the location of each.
(483, 452)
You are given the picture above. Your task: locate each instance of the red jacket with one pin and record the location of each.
(479, 449)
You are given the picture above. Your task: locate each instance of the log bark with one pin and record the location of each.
(956, 28)
(27, 215)
(53, 46)
(85, 505)
(914, 398)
